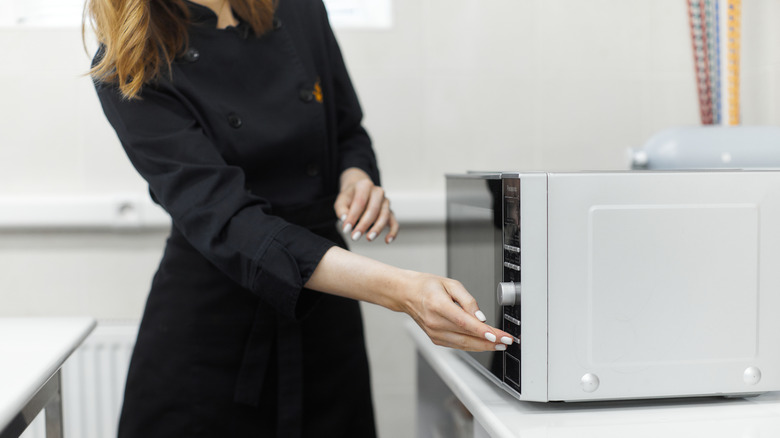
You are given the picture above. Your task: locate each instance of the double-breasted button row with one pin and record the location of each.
(192, 54)
(235, 121)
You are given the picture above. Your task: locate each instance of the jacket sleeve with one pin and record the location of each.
(208, 201)
(354, 144)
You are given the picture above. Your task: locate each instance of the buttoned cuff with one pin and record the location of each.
(285, 266)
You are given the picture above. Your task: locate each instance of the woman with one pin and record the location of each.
(241, 117)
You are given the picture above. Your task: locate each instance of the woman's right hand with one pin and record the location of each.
(441, 306)
(450, 316)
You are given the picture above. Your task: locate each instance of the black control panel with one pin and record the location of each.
(512, 322)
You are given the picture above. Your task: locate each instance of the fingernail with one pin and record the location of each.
(507, 340)
(490, 337)
(347, 228)
(480, 316)
(356, 235)
(500, 347)
(343, 217)
(390, 240)
(372, 236)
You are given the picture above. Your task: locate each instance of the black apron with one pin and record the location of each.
(213, 360)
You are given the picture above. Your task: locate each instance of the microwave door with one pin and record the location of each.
(474, 249)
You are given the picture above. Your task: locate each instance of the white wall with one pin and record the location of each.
(453, 85)
(539, 85)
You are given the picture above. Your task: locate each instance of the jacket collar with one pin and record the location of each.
(201, 14)
(206, 18)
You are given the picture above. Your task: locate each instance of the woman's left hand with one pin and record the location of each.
(363, 208)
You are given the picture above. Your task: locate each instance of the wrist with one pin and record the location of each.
(350, 275)
(351, 176)
(404, 290)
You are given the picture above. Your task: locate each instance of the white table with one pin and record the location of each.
(444, 379)
(32, 350)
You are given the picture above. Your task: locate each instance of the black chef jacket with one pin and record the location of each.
(243, 144)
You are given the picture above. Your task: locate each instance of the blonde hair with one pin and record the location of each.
(139, 38)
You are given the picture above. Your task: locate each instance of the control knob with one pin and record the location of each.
(508, 293)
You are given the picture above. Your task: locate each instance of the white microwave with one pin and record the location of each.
(623, 285)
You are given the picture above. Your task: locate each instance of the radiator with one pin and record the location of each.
(93, 381)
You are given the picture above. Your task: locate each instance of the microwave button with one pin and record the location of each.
(508, 294)
(512, 266)
(512, 319)
(511, 248)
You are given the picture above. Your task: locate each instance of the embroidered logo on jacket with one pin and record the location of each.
(317, 91)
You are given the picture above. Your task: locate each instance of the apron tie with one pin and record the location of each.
(290, 384)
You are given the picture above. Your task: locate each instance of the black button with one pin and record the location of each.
(306, 95)
(234, 120)
(313, 169)
(277, 23)
(192, 55)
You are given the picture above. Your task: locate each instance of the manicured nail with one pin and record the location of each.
(347, 228)
(480, 316)
(390, 240)
(500, 347)
(507, 340)
(490, 337)
(356, 235)
(343, 217)
(372, 236)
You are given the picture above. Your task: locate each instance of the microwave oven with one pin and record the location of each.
(622, 285)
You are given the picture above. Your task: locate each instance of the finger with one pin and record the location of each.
(341, 206)
(466, 322)
(394, 226)
(371, 213)
(357, 204)
(464, 342)
(381, 222)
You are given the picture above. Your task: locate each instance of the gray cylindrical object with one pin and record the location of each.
(711, 147)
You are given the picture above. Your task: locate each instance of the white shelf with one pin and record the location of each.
(497, 414)
(137, 211)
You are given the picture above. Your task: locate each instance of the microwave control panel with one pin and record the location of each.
(512, 322)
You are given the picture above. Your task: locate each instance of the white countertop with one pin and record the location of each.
(501, 415)
(31, 351)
